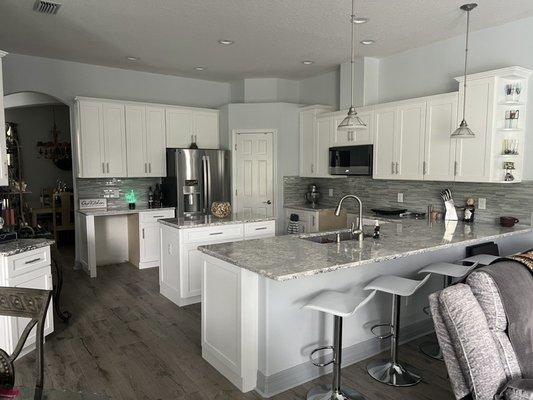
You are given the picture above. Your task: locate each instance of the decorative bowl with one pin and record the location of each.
(221, 209)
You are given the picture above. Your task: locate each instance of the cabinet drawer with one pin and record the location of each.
(28, 261)
(153, 216)
(216, 234)
(259, 229)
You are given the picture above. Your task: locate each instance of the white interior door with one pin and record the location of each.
(254, 174)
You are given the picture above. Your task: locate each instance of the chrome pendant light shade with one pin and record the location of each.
(352, 121)
(464, 132)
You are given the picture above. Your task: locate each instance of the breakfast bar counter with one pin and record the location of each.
(254, 330)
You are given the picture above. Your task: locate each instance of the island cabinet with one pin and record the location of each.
(28, 269)
(180, 275)
(117, 138)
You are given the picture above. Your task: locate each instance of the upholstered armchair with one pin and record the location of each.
(472, 330)
(25, 303)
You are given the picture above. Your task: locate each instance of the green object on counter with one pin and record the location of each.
(130, 198)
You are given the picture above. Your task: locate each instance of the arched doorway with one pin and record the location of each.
(39, 198)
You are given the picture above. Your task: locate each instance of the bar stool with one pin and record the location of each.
(448, 271)
(340, 305)
(480, 259)
(391, 371)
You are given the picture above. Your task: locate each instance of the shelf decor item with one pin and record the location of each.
(464, 132)
(131, 199)
(511, 119)
(352, 120)
(508, 166)
(221, 209)
(512, 92)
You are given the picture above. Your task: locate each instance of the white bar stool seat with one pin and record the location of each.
(481, 259)
(391, 372)
(340, 305)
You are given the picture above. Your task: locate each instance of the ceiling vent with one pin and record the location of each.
(46, 7)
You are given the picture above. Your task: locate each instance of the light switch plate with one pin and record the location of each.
(400, 197)
(482, 203)
(330, 192)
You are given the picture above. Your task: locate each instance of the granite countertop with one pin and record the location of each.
(17, 246)
(289, 257)
(122, 211)
(309, 207)
(210, 220)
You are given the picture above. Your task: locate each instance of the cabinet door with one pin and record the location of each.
(90, 140)
(340, 137)
(409, 141)
(4, 181)
(179, 127)
(323, 133)
(384, 130)
(155, 141)
(205, 128)
(472, 155)
(169, 270)
(308, 144)
(114, 139)
(439, 152)
(150, 243)
(136, 140)
(191, 282)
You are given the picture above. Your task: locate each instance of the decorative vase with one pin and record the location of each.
(221, 209)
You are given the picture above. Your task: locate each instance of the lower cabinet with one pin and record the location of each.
(32, 270)
(180, 274)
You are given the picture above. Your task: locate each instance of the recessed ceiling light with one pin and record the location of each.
(308, 62)
(132, 58)
(225, 42)
(199, 68)
(359, 20)
(367, 41)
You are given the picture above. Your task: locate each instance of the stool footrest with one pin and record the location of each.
(427, 311)
(317, 364)
(386, 336)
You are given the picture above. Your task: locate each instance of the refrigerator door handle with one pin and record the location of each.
(205, 184)
(208, 165)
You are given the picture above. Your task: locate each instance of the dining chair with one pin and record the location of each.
(24, 303)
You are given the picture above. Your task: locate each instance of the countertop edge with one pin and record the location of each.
(165, 221)
(288, 277)
(27, 247)
(102, 213)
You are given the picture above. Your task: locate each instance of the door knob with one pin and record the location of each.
(267, 202)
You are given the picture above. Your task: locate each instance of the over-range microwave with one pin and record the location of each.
(351, 160)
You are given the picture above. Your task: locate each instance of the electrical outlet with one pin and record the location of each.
(482, 203)
(400, 197)
(330, 192)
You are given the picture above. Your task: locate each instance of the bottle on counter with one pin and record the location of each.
(150, 198)
(376, 230)
(470, 210)
(157, 196)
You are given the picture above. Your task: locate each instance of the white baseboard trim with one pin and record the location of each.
(268, 386)
(174, 296)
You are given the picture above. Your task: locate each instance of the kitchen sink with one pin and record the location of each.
(330, 237)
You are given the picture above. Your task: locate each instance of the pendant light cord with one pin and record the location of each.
(352, 57)
(466, 62)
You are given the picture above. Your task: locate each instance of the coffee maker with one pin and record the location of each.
(313, 195)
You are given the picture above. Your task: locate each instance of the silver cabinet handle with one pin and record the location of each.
(312, 168)
(150, 168)
(108, 168)
(267, 202)
(158, 216)
(216, 233)
(33, 261)
(143, 233)
(145, 169)
(313, 223)
(424, 168)
(392, 167)
(397, 164)
(170, 248)
(103, 168)
(455, 168)
(261, 229)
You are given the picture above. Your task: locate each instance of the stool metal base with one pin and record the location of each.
(324, 392)
(392, 374)
(431, 349)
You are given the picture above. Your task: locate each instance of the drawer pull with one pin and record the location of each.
(261, 229)
(33, 261)
(216, 233)
(158, 216)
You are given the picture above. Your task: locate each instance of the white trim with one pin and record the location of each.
(518, 72)
(3, 53)
(275, 184)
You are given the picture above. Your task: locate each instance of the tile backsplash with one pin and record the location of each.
(96, 187)
(502, 199)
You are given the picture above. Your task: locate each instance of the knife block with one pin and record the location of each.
(451, 213)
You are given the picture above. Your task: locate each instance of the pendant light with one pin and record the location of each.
(464, 132)
(352, 120)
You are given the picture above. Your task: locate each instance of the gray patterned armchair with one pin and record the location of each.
(472, 329)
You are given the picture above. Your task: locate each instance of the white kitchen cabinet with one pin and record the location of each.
(182, 124)
(31, 269)
(357, 137)
(439, 150)
(181, 261)
(4, 181)
(409, 140)
(101, 137)
(314, 141)
(145, 138)
(385, 120)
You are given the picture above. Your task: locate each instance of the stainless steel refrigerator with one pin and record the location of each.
(195, 179)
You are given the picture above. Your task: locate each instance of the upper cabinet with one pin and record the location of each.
(129, 139)
(185, 125)
(3, 151)
(353, 138)
(315, 141)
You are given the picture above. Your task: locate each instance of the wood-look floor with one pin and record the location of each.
(129, 342)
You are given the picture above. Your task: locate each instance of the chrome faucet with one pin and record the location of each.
(355, 231)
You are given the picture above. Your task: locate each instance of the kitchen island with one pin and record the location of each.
(253, 328)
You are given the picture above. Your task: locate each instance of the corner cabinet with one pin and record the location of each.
(4, 181)
(129, 139)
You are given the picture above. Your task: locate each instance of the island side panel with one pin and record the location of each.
(230, 321)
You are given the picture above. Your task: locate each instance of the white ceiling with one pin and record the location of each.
(271, 37)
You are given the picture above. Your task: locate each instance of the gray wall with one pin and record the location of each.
(321, 89)
(34, 124)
